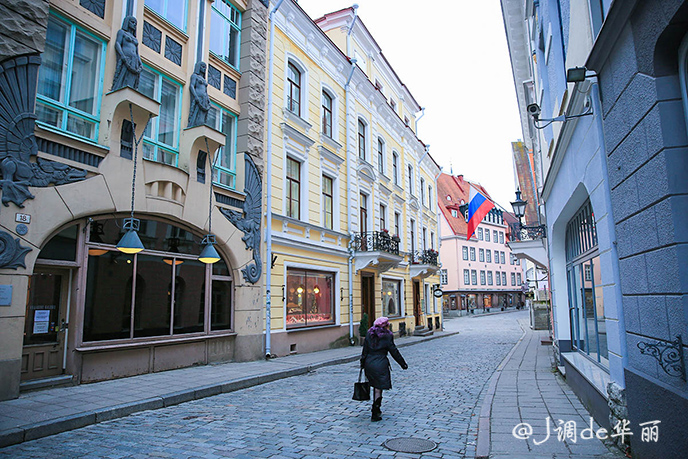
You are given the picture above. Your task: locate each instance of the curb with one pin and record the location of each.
(54, 426)
(483, 444)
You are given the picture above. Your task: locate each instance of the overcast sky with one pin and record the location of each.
(453, 57)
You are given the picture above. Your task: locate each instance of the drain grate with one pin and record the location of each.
(410, 445)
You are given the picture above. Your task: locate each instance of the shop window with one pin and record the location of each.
(168, 285)
(161, 137)
(391, 298)
(225, 161)
(586, 298)
(225, 28)
(310, 298)
(70, 80)
(172, 10)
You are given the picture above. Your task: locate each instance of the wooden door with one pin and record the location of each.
(368, 297)
(43, 351)
(416, 304)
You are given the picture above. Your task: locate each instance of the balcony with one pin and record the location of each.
(529, 242)
(377, 250)
(424, 263)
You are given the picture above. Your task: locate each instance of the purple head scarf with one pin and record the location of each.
(379, 327)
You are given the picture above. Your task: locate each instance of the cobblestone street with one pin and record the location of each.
(313, 416)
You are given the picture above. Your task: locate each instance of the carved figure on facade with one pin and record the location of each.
(200, 102)
(129, 66)
(248, 221)
(18, 78)
(12, 253)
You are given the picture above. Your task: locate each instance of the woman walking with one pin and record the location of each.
(378, 342)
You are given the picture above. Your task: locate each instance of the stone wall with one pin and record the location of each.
(23, 24)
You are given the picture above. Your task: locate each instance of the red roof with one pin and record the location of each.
(452, 190)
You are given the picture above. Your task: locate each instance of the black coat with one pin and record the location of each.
(374, 359)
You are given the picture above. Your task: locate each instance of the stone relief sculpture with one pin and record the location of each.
(248, 221)
(200, 102)
(18, 78)
(129, 66)
(12, 253)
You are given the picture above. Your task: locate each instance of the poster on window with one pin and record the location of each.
(41, 322)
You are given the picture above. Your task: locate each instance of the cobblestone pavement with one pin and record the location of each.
(313, 416)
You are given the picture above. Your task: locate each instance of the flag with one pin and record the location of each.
(478, 207)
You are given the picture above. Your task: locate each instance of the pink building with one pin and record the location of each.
(480, 272)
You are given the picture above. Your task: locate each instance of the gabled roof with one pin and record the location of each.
(453, 192)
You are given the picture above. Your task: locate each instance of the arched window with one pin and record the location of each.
(293, 89)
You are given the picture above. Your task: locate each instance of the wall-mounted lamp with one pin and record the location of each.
(95, 237)
(524, 232)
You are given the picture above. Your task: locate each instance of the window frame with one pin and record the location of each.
(383, 217)
(325, 196)
(289, 199)
(333, 298)
(466, 277)
(67, 72)
(472, 253)
(464, 252)
(325, 123)
(217, 168)
(163, 14)
(154, 124)
(362, 139)
(229, 25)
(395, 166)
(291, 85)
(381, 155)
(400, 295)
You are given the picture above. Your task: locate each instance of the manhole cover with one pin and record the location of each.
(410, 445)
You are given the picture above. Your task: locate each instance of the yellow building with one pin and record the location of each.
(119, 92)
(351, 216)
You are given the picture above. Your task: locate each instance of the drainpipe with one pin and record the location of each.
(350, 175)
(268, 186)
(439, 244)
(421, 115)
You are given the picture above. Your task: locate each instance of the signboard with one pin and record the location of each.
(5, 295)
(41, 321)
(437, 293)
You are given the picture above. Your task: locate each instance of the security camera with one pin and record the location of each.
(533, 110)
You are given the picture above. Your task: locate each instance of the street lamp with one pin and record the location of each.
(519, 206)
(525, 232)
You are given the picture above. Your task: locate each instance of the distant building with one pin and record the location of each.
(479, 273)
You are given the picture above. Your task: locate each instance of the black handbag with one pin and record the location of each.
(361, 389)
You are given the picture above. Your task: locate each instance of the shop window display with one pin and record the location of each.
(310, 298)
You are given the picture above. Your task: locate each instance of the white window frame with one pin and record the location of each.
(303, 96)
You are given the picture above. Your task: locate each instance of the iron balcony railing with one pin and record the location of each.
(375, 241)
(425, 257)
(527, 233)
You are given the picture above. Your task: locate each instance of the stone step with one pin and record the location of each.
(422, 331)
(45, 383)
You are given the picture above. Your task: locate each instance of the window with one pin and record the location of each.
(464, 251)
(293, 89)
(391, 298)
(361, 140)
(481, 254)
(410, 179)
(69, 80)
(310, 298)
(502, 258)
(432, 240)
(480, 234)
(397, 218)
(513, 279)
(383, 217)
(586, 295)
(498, 278)
(326, 114)
(225, 28)
(487, 235)
(518, 279)
(380, 155)
(474, 277)
(161, 137)
(166, 283)
(495, 235)
(172, 10)
(393, 104)
(511, 258)
(425, 238)
(293, 188)
(501, 237)
(472, 253)
(431, 199)
(503, 278)
(466, 277)
(413, 236)
(482, 277)
(363, 213)
(422, 191)
(454, 213)
(444, 278)
(489, 278)
(395, 167)
(488, 258)
(496, 256)
(225, 122)
(327, 191)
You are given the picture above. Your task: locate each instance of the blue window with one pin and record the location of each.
(70, 80)
(225, 163)
(161, 137)
(172, 10)
(225, 30)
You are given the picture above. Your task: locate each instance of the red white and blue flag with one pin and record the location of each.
(478, 207)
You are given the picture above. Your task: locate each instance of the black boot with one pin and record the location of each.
(377, 413)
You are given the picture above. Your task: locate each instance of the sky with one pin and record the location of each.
(453, 57)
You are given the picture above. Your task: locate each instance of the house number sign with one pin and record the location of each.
(22, 218)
